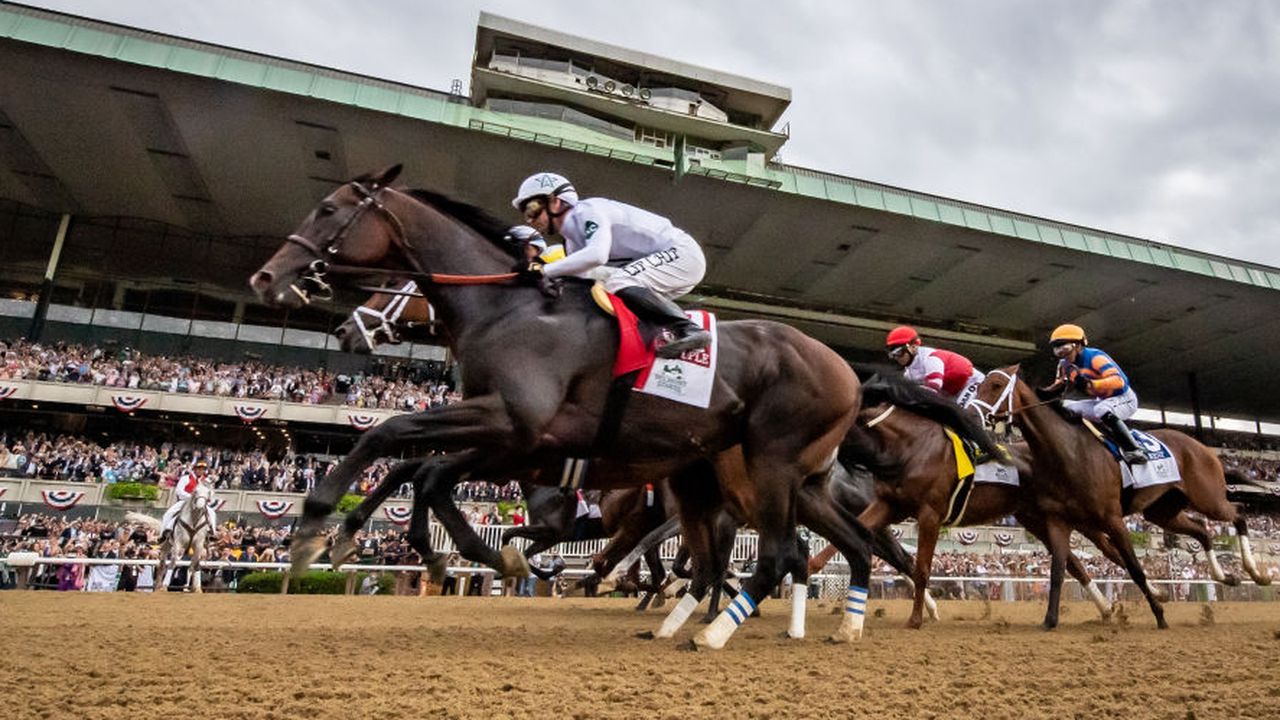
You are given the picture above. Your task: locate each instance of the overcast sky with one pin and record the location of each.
(1159, 119)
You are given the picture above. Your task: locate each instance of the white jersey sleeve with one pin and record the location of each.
(599, 231)
(926, 369)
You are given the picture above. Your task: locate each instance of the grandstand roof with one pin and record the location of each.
(103, 120)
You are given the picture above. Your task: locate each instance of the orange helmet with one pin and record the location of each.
(1068, 333)
(901, 335)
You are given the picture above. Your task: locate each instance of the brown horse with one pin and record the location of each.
(537, 371)
(398, 313)
(914, 463)
(1077, 482)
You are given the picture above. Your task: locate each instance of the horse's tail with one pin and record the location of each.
(1236, 476)
(153, 523)
(891, 389)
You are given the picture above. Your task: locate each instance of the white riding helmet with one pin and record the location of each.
(526, 234)
(545, 183)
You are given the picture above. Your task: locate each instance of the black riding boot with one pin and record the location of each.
(1124, 440)
(656, 309)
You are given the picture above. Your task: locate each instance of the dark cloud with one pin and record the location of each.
(1156, 119)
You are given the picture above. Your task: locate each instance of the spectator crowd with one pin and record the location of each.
(250, 379)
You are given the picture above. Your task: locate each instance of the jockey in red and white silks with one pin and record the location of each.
(183, 490)
(949, 374)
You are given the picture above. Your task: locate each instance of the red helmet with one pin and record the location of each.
(901, 335)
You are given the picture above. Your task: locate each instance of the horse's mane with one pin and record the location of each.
(893, 388)
(488, 226)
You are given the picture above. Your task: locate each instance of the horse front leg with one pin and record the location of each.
(344, 542)
(439, 493)
(476, 422)
(1058, 537)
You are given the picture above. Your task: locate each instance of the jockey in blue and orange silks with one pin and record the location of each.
(1110, 400)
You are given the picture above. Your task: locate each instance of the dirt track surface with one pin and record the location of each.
(224, 656)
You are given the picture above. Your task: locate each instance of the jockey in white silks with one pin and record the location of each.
(639, 256)
(186, 485)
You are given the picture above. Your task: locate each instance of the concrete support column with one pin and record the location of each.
(46, 287)
(1194, 387)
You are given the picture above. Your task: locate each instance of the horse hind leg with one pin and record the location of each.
(1196, 528)
(1246, 554)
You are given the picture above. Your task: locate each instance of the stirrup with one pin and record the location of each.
(694, 340)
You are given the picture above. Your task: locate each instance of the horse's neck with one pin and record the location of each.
(1047, 433)
(444, 245)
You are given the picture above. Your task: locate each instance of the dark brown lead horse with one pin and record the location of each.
(536, 373)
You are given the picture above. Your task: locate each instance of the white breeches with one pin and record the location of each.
(670, 273)
(1122, 406)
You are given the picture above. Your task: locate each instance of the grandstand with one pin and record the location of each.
(215, 153)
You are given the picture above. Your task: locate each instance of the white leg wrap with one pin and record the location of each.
(1099, 600)
(715, 635)
(678, 616)
(930, 605)
(1214, 568)
(855, 611)
(1246, 557)
(799, 595)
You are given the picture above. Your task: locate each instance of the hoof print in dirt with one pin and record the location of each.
(646, 635)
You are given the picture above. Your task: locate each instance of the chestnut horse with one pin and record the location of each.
(1077, 483)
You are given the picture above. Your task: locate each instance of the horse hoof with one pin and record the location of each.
(1047, 626)
(343, 550)
(1231, 581)
(306, 550)
(689, 646)
(646, 635)
(438, 568)
(914, 624)
(514, 563)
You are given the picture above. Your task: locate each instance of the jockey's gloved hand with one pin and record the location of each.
(1084, 384)
(530, 273)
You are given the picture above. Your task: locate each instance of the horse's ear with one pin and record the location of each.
(387, 176)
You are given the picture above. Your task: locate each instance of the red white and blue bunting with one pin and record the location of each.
(7, 391)
(217, 503)
(3, 491)
(128, 403)
(249, 413)
(61, 499)
(1002, 538)
(399, 514)
(966, 536)
(362, 421)
(274, 509)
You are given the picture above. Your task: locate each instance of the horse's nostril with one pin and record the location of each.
(261, 280)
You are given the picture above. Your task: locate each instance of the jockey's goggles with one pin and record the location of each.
(899, 351)
(533, 208)
(1062, 348)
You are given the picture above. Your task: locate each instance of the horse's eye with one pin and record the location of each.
(327, 209)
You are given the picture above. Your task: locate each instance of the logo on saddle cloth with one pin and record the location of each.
(1161, 467)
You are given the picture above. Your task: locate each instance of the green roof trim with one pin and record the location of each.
(139, 47)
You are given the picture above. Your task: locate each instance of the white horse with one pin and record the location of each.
(190, 532)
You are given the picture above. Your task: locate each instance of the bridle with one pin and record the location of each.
(321, 267)
(389, 315)
(1002, 408)
(992, 412)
